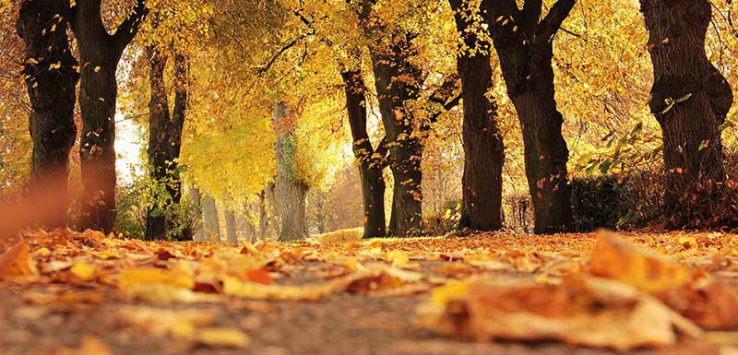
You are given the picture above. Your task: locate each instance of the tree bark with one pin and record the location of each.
(100, 53)
(165, 140)
(524, 43)
(406, 146)
(290, 190)
(370, 161)
(212, 222)
(397, 80)
(231, 234)
(193, 231)
(263, 215)
(484, 150)
(51, 80)
(690, 99)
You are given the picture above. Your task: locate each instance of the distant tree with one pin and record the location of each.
(690, 99)
(290, 190)
(231, 228)
(50, 73)
(211, 225)
(165, 137)
(524, 43)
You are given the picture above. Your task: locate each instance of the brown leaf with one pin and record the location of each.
(616, 259)
(16, 261)
(582, 311)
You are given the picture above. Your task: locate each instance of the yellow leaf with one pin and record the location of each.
(398, 258)
(83, 271)
(136, 276)
(225, 337)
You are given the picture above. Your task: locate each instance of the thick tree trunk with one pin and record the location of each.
(484, 151)
(51, 79)
(290, 196)
(397, 81)
(290, 190)
(524, 43)
(165, 140)
(212, 222)
(100, 53)
(231, 233)
(370, 161)
(690, 99)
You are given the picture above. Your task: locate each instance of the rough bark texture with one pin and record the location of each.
(484, 151)
(690, 99)
(165, 140)
(370, 161)
(100, 53)
(210, 216)
(290, 190)
(51, 80)
(524, 44)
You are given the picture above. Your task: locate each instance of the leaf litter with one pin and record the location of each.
(601, 290)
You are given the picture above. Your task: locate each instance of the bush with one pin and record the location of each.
(137, 198)
(609, 201)
(446, 223)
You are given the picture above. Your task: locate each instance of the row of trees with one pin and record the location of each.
(690, 99)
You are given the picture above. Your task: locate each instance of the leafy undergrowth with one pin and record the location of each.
(67, 292)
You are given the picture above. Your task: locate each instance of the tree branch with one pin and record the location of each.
(127, 30)
(502, 8)
(531, 15)
(264, 68)
(553, 20)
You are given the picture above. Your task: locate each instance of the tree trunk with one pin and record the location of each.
(370, 161)
(193, 230)
(690, 99)
(483, 146)
(231, 234)
(212, 222)
(524, 43)
(263, 216)
(51, 80)
(100, 53)
(247, 221)
(397, 81)
(165, 141)
(290, 190)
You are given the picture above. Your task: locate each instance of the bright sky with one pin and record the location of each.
(128, 146)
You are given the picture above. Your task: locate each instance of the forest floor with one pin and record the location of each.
(87, 293)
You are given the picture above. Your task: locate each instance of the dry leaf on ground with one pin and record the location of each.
(581, 311)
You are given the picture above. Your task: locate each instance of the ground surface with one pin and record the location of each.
(77, 293)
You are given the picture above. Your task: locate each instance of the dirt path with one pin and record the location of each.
(341, 324)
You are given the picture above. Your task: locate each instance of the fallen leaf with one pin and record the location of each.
(222, 337)
(16, 261)
(616, 259)
(160, 322)
(83, 271)
(582, 311)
